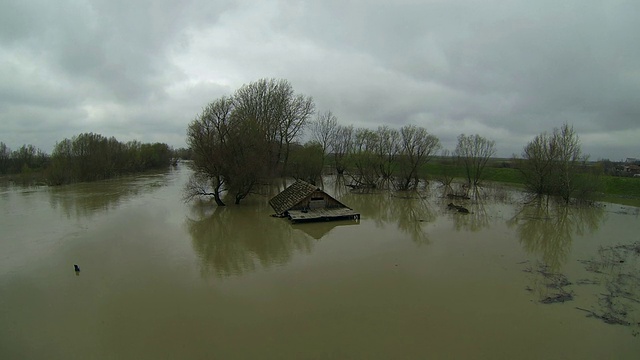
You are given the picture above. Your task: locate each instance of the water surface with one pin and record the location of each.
(411, 279)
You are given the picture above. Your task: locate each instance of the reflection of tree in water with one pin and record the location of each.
(547, 227)
(234, 240)
(408, 210)
(482, 199)
(338, 186)
(412, 209)
(87, 199)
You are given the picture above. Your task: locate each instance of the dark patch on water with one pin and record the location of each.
(616, 267)
(553, 284)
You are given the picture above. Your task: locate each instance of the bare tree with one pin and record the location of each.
(569, 161)
(342, 146)
(199, 185)
(388, 148)
(208, 137)
(417, 148)
(296, 115)
(364, 159)
(323, 130)
(474, 151)
(446, 176)
(552, 165)
(239, 140)
(278, 113)
(537, 164)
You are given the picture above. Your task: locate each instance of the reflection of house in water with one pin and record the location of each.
(319, 229)
(305, 202)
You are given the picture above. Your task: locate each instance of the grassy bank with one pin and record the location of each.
(621, 186)
(612, 186)
(507, 175)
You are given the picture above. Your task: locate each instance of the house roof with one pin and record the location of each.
(291, 196)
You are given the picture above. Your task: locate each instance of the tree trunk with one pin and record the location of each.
(216, 197)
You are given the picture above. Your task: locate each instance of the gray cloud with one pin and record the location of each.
(505, 69)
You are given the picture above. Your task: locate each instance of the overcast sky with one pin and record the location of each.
(506, 70)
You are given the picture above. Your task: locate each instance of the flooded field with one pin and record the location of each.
(413, 279)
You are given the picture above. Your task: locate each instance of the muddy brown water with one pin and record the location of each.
(161, 279)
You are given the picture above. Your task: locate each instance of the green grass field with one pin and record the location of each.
(623, 186)
(612, 186)
(506, 175)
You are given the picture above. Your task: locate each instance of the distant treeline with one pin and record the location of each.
(26, 159)
(85, 157)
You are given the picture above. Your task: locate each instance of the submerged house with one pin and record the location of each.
(302, 201)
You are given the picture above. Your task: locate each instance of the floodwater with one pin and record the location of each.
(161, 279)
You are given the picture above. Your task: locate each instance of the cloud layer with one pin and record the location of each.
(507, 70)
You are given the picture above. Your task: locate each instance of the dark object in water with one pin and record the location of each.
(556, 298)
(608, 318)
(460, 209)
(76, 268)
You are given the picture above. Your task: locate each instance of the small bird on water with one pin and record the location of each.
(76, 268)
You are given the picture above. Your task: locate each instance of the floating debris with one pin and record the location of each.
(617, 270)
(561, 297)
(587, 282)
(607, 317)
(551, 280)
(556, 281)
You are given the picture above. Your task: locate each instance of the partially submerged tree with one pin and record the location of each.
(363, 159)
(417, 148)
(245, 159)
(237, 141)
(473, 152)
(569, 161)
(446, 175)
(342, 147)
(384, 156)
(208, 136)
(553, 164)
(323, 131)
(387, 151)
